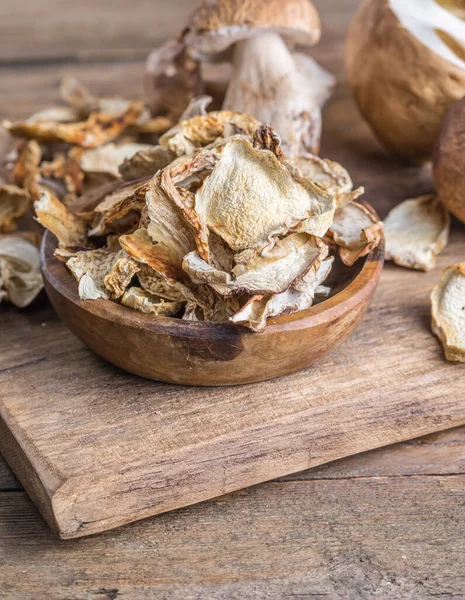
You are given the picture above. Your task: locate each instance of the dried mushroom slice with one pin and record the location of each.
(200, 131)
(250, 198)
(98, 129)
(25, 170)
(102, 274)
(14, 203)
(448, 312)
(69, 229)
(20, 277)
(159, 285)
(329, 175)
(274, 273)
(255, 313)
(142, 301)
(116, 206)
(158, 256)
(63, 175)
(122, 272)
(107, 159)
(146, 163)
(356, 231)
(416, 232)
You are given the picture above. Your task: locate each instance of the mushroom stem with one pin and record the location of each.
(267, 84)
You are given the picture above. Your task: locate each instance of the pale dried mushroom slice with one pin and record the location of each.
(159, 285)
(197, 107)
(357, 231)
(416, 231)
(200, 131)
(107, 159)
(286, 263)
(70, 230)
(256, 312)
(98, 129)
(142, 301)
(14, 203)
(448, 312)
(329, 175)
(20, 277)
(93, 269)
(250, 198)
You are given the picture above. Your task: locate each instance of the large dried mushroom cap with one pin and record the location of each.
(416, 232)
(215, 26)
(405, 92)
(448, 312)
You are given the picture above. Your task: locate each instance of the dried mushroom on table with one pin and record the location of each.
(213, 223)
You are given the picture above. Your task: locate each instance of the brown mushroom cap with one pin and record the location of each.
(217, 25)
(402, 87)
(449, 161)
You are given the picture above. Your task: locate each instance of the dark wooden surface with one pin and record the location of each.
(388, 524)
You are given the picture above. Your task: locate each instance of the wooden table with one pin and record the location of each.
(388, 524)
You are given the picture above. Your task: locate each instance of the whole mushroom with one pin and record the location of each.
(406, 67)
(449, 161)
(270, 81)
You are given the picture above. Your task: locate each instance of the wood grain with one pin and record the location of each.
(387, 538)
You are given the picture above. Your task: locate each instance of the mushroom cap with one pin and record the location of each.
(449, 161)
(218, 24)
(402, 86)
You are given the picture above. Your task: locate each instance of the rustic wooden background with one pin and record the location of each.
(388, 524)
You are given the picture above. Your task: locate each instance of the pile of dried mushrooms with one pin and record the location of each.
(212, 223)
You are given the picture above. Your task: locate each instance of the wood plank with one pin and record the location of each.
(364, 538)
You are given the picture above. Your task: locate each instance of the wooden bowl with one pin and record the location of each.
(177, 351)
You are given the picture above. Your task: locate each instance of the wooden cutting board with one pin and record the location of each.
(96, 448)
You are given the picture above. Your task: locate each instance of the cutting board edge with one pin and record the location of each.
(64, 516)
(19, 462)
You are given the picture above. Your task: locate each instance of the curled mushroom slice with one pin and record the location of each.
(448, 312)
(201, 131)
(69, 229)
(20, 277)
(255, 313)
(108, 158)
(197, 108)
(274, 273)
(142, 301)
(102, 274)
(250, 198)
(117, 205)
(98, 129)
(357, 231)
(329, 175)
(14, 202)
(416, 232)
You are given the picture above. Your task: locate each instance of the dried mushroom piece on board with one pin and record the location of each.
(356, 231)
(448, 312)
(416, 232)
(20, 277)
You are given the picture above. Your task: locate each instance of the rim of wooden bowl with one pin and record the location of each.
(357, 291)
